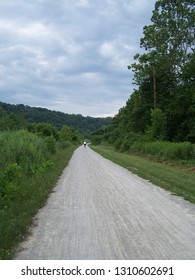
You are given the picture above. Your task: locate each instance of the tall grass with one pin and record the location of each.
(29, 168)
(22, 148)
(164, 150)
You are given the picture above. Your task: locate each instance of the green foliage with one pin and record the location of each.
(11, 121)
(12, 172)
(64, 144)
(9, 181)
(129, 140)
(168, 59)
(51, 144)
(66, 133)
(23, 195)
(165, 150)
(26, 150)
(24, 156)
(85, 125)
(104, 134)
(97, 140)
(29, 166)
(30, 163)
(69, 134)
(171, 34)
(158, 127)
(43, 129)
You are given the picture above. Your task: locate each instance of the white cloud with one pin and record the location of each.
(69, 55)
(83, 3)
(35, 30)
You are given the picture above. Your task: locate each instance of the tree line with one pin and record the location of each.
(85, 125)
(162, 107)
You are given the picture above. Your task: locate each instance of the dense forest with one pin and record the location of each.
(162, 107)
(85, 125)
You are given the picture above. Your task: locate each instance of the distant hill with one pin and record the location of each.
(86, 125)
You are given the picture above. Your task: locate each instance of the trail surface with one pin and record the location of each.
(99, 210)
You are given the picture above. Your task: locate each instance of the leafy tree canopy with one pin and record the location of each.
(163, 105)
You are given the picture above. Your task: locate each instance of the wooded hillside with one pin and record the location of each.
(85, 125)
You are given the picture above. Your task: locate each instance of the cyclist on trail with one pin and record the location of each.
(85, 144)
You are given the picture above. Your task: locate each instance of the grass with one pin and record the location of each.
(179, 180)
(165, 150)
(23, 203)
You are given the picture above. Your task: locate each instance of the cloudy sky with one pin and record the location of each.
(70, 55)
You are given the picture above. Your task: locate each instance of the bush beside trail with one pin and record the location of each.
(142, 144)
(29, 168)
(25, 149)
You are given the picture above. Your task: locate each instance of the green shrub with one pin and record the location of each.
(129, 140)
(25, 149)
(165, 150)
(20, 146)
(157, 130)
(25, 182)
(118, 144)
(64, 144)
(51, 144)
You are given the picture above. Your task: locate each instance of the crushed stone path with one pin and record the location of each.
(99, 210)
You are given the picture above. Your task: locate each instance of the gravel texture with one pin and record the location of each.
(99, 210)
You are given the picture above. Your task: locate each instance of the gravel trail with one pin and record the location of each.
(99, 210)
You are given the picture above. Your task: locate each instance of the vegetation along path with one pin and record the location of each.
(100, 210)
